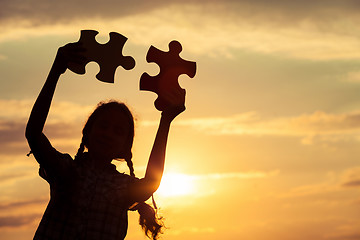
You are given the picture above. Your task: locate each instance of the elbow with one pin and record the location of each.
(31, 135)
(152, 179)
(144, 189)
(152, 186)
(150, 191)
(27, 133)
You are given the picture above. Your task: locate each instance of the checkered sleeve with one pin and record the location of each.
(60, 168)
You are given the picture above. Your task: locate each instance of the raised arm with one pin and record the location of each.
(155, 167)
(39, 144)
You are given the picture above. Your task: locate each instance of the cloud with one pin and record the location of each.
(316, 126)
(310, 30)
(15, 113)
(15, 109)
(13, 141)
(347, 234)
(21, 204)
(12, 138)
(9, 176)
(353, 77)
(18, 221)
(185, 230)
(324, 122)
(333, 183)
(43, 11)
(235, 175)
(64, 124)
(11, 131)
(351, 178)
(315, 189)
(62, 111)
(16, 168)
(66, 120)
(234, 125)
(353, 183)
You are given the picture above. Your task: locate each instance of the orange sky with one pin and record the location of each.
(268, 148)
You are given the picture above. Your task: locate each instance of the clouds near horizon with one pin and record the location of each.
(67, 119)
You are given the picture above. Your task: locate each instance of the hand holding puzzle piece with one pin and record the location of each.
(171, 67)
(109, 56)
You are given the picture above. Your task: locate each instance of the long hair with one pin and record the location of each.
(148, 220)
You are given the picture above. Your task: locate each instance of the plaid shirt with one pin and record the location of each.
(85, 203)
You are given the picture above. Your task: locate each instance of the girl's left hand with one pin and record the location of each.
(171, 112)
(176, 103)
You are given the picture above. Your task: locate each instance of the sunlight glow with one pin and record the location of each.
(175, 184)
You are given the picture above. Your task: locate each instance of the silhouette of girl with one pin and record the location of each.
(89, 198)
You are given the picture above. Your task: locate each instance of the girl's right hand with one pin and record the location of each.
(71, 52)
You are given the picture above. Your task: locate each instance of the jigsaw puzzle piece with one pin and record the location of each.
(171, 67)
(109, 56)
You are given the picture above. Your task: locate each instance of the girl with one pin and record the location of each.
(89, 199)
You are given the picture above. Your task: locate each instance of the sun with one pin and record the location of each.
(175, 184)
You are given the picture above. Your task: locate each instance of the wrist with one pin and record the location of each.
(166, 119)
(172, 112)
(57, 69)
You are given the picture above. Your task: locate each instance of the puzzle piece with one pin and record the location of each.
(109, 56)
(171, 67)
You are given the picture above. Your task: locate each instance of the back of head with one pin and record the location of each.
(99, 110)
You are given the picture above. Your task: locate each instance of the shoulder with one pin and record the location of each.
(124, 178)
(60, 166)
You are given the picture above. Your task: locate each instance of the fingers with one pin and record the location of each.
(174, 97)
(72, 52)
(172, 111)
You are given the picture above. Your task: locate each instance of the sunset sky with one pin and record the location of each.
(269, 146)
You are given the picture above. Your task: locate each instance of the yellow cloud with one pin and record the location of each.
(61, 111)
(353, 77)
(334, 182)
(235, 175)
(319, 124)
(307, 126)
